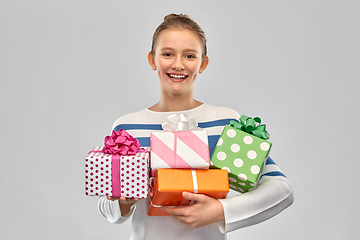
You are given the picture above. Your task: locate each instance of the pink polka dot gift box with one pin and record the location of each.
(120, 168)
(242, 150)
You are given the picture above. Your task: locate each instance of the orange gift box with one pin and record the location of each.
(169, 184)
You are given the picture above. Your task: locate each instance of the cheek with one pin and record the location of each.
(193, 68)
(162, 66)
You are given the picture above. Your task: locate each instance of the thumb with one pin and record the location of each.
(191, 196)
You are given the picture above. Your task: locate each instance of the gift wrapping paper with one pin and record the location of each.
(169, 184)
(183, 149)
(242, 155)
(117, 175)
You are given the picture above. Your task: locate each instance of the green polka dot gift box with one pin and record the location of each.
(242, 150)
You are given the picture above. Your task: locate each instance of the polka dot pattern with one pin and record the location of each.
(251, 154)
(235, 148)
(264, 146)
(231, 133)
(248, 140)
(243, 155)
(227, 169)
(232, 186)
(255, 169)
(98, 174)
(232, 179)
(221, 156)
(238, 162)
(134, 174)
(242, 177)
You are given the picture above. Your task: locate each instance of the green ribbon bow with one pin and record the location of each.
(252, 126)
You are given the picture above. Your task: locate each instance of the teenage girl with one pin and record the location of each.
(178, 55)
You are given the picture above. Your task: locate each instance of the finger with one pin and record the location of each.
(125, 198)
(178, 214)
(175, 211)
(112, 198)
(192, 196)
(128, 200)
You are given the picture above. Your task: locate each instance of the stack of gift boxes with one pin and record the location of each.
(178, 160)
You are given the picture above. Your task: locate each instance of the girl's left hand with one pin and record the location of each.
(206, 210)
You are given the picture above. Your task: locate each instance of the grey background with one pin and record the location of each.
(69, 69)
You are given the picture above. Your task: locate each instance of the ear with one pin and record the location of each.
(204, 64)
(151, 61)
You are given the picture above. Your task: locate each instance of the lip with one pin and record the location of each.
(174, 79)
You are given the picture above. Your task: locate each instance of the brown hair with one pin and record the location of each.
(179, 21)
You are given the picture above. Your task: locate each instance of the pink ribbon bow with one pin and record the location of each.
(121, 143)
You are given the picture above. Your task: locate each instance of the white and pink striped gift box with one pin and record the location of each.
(182, 149)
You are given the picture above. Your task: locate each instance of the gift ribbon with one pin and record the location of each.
(140, 150)
(194, 178)
(179, 122)
(195, 185)
(121, 142)
(252, 126)
(115, 174)
(166, 150)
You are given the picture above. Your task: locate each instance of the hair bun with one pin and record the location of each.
(173, 15)
(179, 22)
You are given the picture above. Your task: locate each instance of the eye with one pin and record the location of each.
(166, 54)
(190, 56)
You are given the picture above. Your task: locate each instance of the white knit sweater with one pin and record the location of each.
(272, 195)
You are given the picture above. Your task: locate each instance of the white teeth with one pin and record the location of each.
(177, 76)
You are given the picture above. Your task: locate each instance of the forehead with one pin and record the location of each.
(179, 39)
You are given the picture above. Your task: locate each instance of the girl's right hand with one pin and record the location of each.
(125, 204)
(123, 199)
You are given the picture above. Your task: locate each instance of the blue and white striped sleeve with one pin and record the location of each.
(272, 196)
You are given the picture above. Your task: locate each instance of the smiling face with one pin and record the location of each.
(177, 60)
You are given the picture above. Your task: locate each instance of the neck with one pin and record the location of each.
(175, 103)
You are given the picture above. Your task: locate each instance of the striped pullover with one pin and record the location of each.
(272, 195)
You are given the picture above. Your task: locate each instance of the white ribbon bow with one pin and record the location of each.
(179, 122)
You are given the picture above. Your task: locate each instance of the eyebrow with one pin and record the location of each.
(185, 50)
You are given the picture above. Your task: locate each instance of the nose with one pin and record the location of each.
(178, 64)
